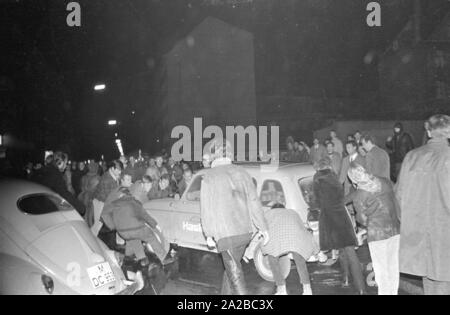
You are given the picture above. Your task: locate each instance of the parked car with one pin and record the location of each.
(47, 248)
(288, 183)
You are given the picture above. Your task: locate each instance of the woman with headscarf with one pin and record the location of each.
(377, 209)
(288, 235)
(335, 225)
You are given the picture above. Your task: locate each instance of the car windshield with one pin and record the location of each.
(193, 194)
(272, 192)
(38, 204)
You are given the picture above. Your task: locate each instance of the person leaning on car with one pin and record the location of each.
(229, 209)
(161, 189)
(127, 216)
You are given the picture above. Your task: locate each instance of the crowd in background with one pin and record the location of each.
(407, 225)
(360, 146)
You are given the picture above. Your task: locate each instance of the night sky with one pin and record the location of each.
(48, 70)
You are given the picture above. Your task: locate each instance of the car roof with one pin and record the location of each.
(281, 169)
(11, 190)
(22, 226)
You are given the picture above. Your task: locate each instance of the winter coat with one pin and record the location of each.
(181, 187)
(336, 162)
(106, 185)
(343, 176)
(423, 191)
(288, 234)
(335, 226)
(138, 192)
(157, 193)
(289, 156)
(126, 215)
(77, 176)
(176, 172)
(302, 156)
(377, 163)
(378, 211)
(136, 171)
(338, 146)
(316, 154)
(229, 203)
(54, 179)
(400, 145)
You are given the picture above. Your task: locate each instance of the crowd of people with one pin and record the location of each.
(110, 196)
(407, 224)
(356, 146)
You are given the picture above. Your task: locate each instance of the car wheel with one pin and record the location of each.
(263, 268)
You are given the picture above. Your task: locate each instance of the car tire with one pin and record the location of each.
(263, 268)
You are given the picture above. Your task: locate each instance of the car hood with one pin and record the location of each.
(158, 203)
(66, 251)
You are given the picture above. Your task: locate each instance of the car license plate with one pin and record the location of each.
(101, 274)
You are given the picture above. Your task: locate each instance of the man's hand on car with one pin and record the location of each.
(211, 243)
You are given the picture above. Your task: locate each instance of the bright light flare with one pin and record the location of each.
(99, 87)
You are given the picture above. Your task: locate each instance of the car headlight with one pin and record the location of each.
(48, 284)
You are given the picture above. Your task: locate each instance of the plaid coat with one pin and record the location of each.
(288, 234)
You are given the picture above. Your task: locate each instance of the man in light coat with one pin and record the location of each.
(230, 209)
(423, 191)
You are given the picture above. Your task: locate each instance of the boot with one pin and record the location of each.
(281, 290)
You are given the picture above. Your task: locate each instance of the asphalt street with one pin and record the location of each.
(201, 274)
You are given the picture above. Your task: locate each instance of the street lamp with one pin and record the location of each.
(99, 87)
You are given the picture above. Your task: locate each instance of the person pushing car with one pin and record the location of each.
(230, 209)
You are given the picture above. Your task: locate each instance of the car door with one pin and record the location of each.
(187, 218)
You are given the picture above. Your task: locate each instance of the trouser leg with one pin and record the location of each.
(233, 278)
(345, 264)
(385, 261)
(394, 264)
(378, 253)
(432, 287)
(302, 268)
(355, 269)
(275, 266)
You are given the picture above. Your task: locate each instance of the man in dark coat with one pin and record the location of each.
(378, 210)
(126, 215)
(52, 177)
(161, 189)
(423, 191)
(335, 226)
(399, 145)
(109, 181)
(377, 160)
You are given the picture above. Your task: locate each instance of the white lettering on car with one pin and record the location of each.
(192, 227)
